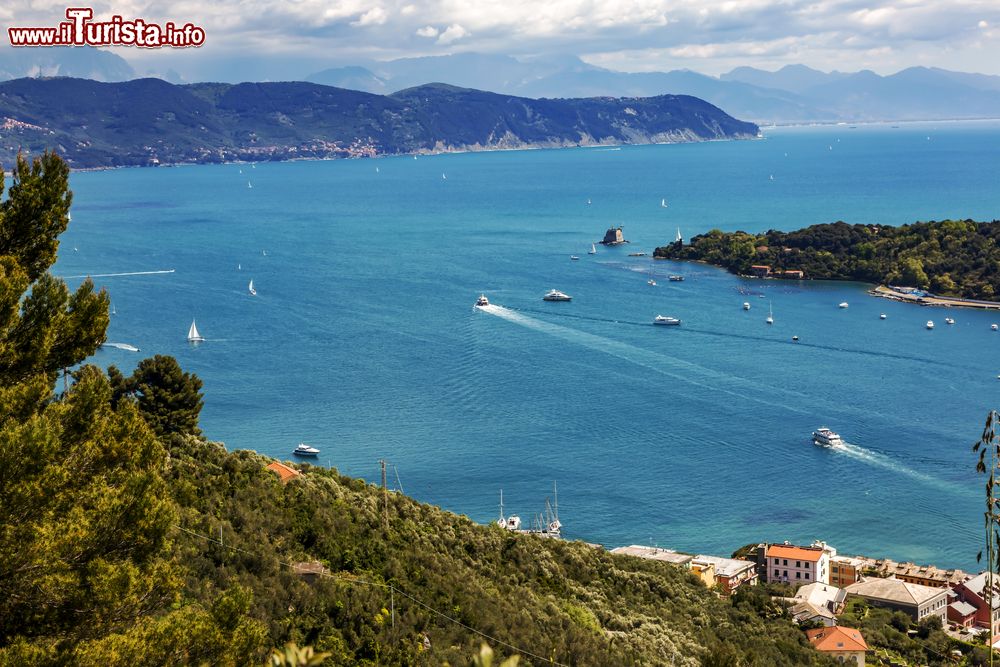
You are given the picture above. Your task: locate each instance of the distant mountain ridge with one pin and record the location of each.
(794, 93)
(150, 121)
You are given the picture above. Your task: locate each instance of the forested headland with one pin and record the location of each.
(958, 258)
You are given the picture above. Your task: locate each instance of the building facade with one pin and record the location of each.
(916, 600)
(730, 573)
(845, 645)
(798, 565)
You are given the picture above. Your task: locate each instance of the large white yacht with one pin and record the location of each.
(305, 450)
(556, 295)
(664, 320)
(930, 324)
(826, 438)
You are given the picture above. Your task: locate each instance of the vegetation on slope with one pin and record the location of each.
(149, 121)
(950, 258)
(127, 539)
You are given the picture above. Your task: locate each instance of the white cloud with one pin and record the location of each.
(427, 31)
(374, 16)
(983, 24)
(452, 33)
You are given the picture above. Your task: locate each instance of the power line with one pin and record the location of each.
(386, 586)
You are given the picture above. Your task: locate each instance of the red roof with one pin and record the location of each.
(798, 553)
(284, 472)
(837, 638)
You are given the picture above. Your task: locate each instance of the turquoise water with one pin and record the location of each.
(363, 341)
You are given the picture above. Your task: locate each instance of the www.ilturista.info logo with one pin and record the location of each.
(80, 30)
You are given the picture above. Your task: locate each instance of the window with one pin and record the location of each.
(798, 575)
(777, 573)
(807, 575)
(785, 562)
(785, 574)
(798, 563)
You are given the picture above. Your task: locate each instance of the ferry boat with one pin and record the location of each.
(667, 321)
(824, 437)
(482, 301)
(676, 279)
(556, 295)
(305, 450)
(930, 324)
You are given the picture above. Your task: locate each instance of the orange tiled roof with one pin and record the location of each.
(798, 553)
(283, 471)
(837, 638)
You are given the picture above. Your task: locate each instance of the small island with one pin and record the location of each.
(951, 258)
(614, 236)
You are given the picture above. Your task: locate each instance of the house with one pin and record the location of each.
(974, 593)
(962, 614)
(798, 565)
(845, 570)
(730, 573)
(793, 274)
(655, 553)
(310, 571)
(704, 571)
(845, 645)
(285, 473)
(914, 599)
(817, 602)
(760, 270)
(925, 575)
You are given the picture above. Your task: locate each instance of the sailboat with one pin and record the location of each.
(770, 314)
(679, 238)
(239, 267)
(663, 203)
(593, 249)
(114, 311)
(512, 522)
(252, 291)
(193, 335)
(249, 184)
(588, 202)
(554, 526)
(651, 282)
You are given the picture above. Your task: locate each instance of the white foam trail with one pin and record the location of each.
(122, 346)
(882, 461)
(650, 360)
(115, 275)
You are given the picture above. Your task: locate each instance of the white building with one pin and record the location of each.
(798, 565)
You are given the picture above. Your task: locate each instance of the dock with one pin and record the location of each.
(927, 299)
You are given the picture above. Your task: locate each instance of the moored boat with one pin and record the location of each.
(675, 278)
(930, 324)
(666, 321)
(305, 450)
(556, 295)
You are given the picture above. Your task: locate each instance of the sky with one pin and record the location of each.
(266, 39)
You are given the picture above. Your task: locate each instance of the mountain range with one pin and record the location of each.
(150, 121)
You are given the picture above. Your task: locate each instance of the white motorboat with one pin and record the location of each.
(556, 295)
(881, 316)
(651, 282)
(482, 301)
(574, 257)
(824, 437)
(746, 305)
(305, 450)
(930, 324)
(193, 335)
(666, 321)
(949, 320)
(843, 304)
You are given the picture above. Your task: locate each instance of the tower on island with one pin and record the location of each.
(614, 236)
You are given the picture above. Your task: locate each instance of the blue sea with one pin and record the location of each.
(362, 339)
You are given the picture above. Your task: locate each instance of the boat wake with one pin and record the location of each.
(685, 371)
(116, 275)
(882, 461)
(122, 346)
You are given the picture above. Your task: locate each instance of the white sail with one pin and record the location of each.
(251, 289)
(593, 249)
(679, 239)
(193, 334)
(663, 203)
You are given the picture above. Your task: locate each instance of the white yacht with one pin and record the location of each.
(556, 295)
(482, 301)
(305, 450)
(746, 305)
(593, 249)
(574, 257)
(949, 320)
(843, 304)
(826, 438)
(512, 522)
(930, 324)
(667, 321)
(193, 335)
(881, 316)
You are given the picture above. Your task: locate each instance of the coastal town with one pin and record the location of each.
(825, 583)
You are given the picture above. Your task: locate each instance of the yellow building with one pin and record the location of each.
(704, 571)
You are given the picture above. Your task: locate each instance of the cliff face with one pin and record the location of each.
(149, 121)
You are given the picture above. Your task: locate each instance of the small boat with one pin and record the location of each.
(795, 338)
(305, 450)
(651, 282)
(556, 295)
(512, 522)
(574, 257)
(482, 301)
(675, 279)
(443, 177)
(250, 289)
(114, 311)
(249, 185)
(994, 327)
(193, 335)
(881, 316)
(770, 315)
(588, 202)
(746, 305)
(666, 321)
(949, 320)
(376, 170)
(842, 304)
(663, 203)
(239, 267)
(637, 254)
(772, 177)
(930, 324)
(824, 437)
(593, 249)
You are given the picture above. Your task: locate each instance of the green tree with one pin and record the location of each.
(169, 399)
